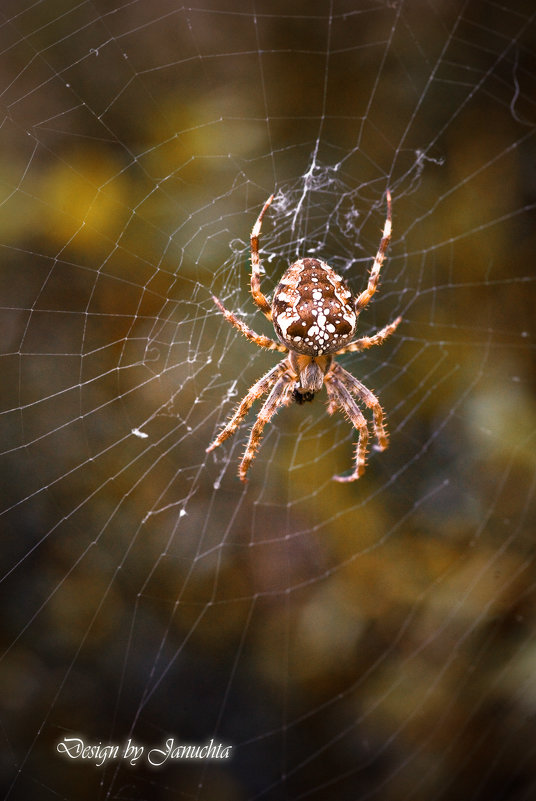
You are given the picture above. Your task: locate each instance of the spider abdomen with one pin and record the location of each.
(312, 309)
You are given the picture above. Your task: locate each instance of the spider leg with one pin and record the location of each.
(368, 342)
(364, 297)
(279, 396)
(368, 398)
(339, 397)
(258, 389)
(258, 339)
(258, 296)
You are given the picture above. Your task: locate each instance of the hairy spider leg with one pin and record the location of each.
(258, 339)
(260, 388)
(368, 342)
(340, 398)
(368, 398)
(258, 296)
(279, 396)
(364, 297)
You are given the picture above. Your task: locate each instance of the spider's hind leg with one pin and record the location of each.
(256, 292)
(365, 296)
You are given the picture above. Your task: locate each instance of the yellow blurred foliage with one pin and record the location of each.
(85, 199)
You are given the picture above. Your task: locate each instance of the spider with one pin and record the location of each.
(314, 316)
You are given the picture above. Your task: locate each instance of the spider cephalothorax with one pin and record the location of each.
(314, 316)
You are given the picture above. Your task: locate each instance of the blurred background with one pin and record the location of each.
(368, 640)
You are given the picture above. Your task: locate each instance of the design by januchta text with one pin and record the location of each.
(133, 754)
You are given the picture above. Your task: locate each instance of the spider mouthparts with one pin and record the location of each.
(302, 397)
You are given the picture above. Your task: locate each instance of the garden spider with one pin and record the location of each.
(314, 317)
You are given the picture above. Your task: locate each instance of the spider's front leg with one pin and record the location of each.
(279, 396)
(340, 398)
(260, 388)
(369, 399)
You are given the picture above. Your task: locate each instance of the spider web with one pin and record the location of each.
(372, 640)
